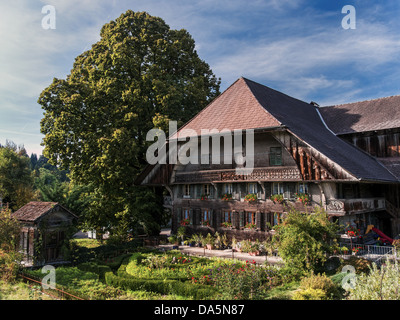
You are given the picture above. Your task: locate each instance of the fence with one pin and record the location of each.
(369, 252)
(53, 292)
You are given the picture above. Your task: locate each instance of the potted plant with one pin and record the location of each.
(226, 224)
(344, 250)
(184, 222)
(174, 241)
(181, 234)
(227, 197)
(209, 241)
(250, 226)
(254, 248)
(204, 196)
(277, 198)
(304, 198)
(206, 223)
(250, 198)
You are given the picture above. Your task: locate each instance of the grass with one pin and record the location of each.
(283, 292)
(20, 291)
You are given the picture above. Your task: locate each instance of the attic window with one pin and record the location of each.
(275, 156)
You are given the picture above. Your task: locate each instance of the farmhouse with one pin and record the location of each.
(44, 227)
(344, 159)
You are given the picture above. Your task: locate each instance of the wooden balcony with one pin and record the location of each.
(351, 206)
(230, 175)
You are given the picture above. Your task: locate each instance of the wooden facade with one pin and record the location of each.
(294, 152)
(44, 228)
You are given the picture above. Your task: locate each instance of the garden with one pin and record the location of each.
(306, 243)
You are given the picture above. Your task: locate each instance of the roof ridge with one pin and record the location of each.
(258, 101)
(367, 100)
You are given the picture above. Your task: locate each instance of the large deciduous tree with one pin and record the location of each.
(96, 120)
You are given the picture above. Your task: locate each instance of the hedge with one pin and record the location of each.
(99, 269)
(176, 287)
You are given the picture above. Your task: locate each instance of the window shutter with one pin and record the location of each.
(191, 217)
(235, 219)
(241, 219)
(259, 220)
(219, 218)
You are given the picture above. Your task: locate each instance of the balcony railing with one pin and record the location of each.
(356, 205)
(258, 174)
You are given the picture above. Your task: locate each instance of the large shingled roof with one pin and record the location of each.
(370, 115)
(247, 104)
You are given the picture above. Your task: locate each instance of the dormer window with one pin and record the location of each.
(275, 156)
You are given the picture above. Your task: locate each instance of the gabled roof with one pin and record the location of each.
(250, 105)
(370, 115)
(35, 210)
(235, 108)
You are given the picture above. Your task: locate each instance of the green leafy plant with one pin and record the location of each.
(250, 226)
(251, 197)
(305, 240)
(304, 198)
(277, 198)
(227, 197)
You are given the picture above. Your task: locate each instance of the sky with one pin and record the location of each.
(303, 48)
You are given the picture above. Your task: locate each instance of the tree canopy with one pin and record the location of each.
(96, 120)
(16, 181)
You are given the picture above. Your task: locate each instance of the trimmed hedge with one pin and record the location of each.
(176, 287)
(99, 269)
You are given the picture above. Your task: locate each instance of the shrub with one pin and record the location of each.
(379, 284)
(309, 294)
(320, 282)
(304, 241)
(160, 286)
(239, 281)
(100, 270)
(9, 266)
(360, 265)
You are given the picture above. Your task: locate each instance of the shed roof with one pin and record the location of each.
(35, 210)
(370, 115)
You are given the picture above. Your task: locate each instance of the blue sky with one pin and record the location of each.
(295, 46)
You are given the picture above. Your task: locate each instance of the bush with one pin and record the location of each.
(240, 281)
(160, 286)
(304, 241)
(379, 284)
(322, 283)
(360, 265)
(100, 270)
(9, 266)
(310, 294)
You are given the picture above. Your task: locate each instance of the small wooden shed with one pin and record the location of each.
(44, 227)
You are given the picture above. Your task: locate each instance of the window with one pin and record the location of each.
(185, 214)
(228, 188)
(206, 190)
(275, 156)
(288, 190)
(252, 188)
(205, 217)
(277, 188)
(303, 188)
(24, 241)
(186, 190)
(250, 217)
(227, 216)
